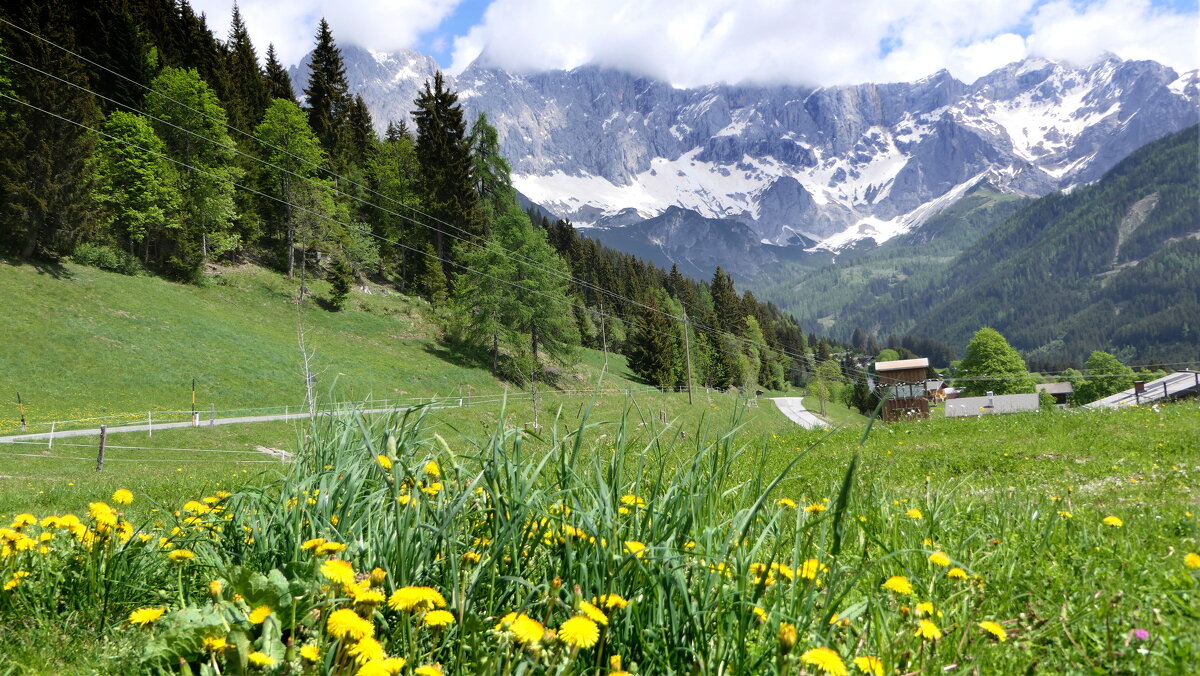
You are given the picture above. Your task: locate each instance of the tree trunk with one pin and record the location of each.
(495, 350)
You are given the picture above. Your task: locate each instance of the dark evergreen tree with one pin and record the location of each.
(247, 92)
(46, 179)
(728, 307)
(276, 81)
(328, 97)
(107, 34)
(444, 152)
(359, 131)
(655, 349)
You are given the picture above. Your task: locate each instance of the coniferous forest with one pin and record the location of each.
(136, 141)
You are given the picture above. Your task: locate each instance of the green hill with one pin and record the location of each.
(81, 342)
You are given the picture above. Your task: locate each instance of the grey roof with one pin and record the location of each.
(1167, 387)
(1000, 403)
(1055, 388)
(934, 385)
(900, 364)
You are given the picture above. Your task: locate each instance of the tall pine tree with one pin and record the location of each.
(328, 93)
(276, 80)
(248, 94)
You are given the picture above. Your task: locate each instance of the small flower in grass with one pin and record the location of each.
(367, 596)
(432, 469)
(786, 502)
(22, 520)
(614, 665)
(378, 575)
(384, 461)
(994, 629)
(15, 579)
(1140, 634)
(259, 614)
(579, 632)
(345, 623)
(144, 616)
(428, 670)
(914, 513)
(928, 630)
(610, 602)
(339, 572)
(787, 637)
(956, 574)
(1065, 514)
(367, 650)
(809, 569)
(215, 644)
(869, 665)
(898, 584)
(471, 557)
(1113, 521)
(261, 659)
(215, 588)
(759, 614)
(122, 496)
(815, 508)
(1192, 560)
(416, 598)
(635, 548)
(524, 628)
(181, 555)
(828, 661)
(312, 544)
(330, 548)
(631, 500)
(927, 608)
(310, 652)
(438, 619)
(939, 559)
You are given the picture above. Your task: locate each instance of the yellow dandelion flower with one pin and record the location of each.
(312, 544)
(809, 569)
(1113, 521)
(416, 598)
(994, 629)
(610, 602)
(345, 623)
(869, 665)
(22, 520)
(181, 555)
(898, 584)
(690, 545)
(787, 637)
(311, 653)
(384, 461)
(759, 614)
(826, 660)
(956, 574)
(631, 500)
(635, 548)
(432, 469)
(373, 669)
(393, 665)
(261, 659)
(378, 575)
(927, 608)
(1065, 514)
(330, 548)
(367, 650)
(144, 616)
(914, 513)
(438, 619)
(815, 508)
(433, 488)
(526, 629)
(593, 613)
(939, 559)
(259, 614)
(579, 632)
(15, 579)
(428, 670)
(102, 514)
(368, 597)
(786, 502)
(122, 496)
(215, 644)
(338, 572)
(470, 557)
(928, 630)
(1192, 560)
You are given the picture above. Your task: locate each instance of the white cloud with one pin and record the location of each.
(292, 25)
(691, 42)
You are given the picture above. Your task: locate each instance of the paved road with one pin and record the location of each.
(793, 407)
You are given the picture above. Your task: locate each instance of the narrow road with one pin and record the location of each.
(793, 407)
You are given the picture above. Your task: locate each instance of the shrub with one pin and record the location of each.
(107, 258)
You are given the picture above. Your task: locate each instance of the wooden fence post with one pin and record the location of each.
(100, 454)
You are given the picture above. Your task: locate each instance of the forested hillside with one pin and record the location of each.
(135, 141)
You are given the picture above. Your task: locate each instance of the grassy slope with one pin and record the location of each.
(84, 343)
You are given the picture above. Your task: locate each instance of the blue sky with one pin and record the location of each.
(693, 42)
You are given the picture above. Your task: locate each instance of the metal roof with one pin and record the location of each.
(1055, 388)
(1167, 387)
(901, 364)
(1000, 403)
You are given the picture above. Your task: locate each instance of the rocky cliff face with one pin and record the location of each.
(794, 164)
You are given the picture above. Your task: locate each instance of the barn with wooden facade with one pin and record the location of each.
(903, 382)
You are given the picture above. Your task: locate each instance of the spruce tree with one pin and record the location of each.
(491, 171)
(248, 94)
(444, 152)
(359, 131)
(276, 80)
(328, 97)
(392, 173)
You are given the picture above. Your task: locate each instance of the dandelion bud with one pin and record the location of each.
(614, 662)
(556, 584)
(391, 444)
(787, 637)
(215, 588)
(377, 576)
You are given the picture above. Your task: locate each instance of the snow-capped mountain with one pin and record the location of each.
(833, 164)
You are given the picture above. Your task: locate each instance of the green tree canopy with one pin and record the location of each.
(136, 186)
(992, 365)
(1104, 374)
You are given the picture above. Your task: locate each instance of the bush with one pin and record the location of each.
(107, 258)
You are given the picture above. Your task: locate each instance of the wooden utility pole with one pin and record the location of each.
(100, 453)
(604, 342)
(193, 402)
(687, 348)
(21, 406)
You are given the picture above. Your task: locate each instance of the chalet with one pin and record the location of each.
(903, 383)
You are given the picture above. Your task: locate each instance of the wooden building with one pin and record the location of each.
(903, 382)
